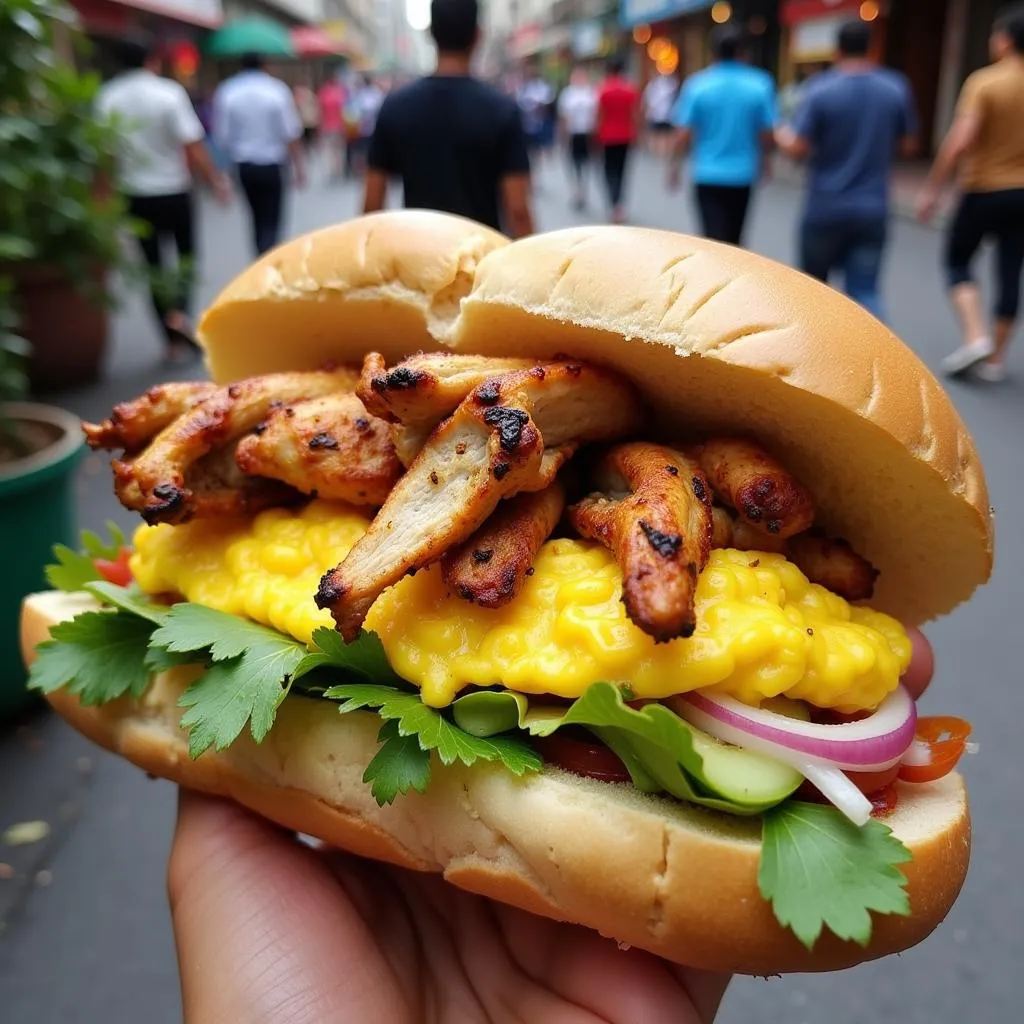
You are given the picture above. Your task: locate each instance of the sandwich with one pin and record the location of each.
(578, 569)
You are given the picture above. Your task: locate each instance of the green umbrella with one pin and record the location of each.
(251, 35)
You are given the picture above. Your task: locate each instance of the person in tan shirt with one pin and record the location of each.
(986, 141)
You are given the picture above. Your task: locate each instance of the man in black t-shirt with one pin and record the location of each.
(456, 143)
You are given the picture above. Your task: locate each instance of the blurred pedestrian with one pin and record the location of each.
(577, 111)
(331, 98)
(987, 141)
(161, 147)
(852, 123)
(618, 111)
(258, 126)
(366, 102)
(456, 143)
(725, 115)
(659, 97)
(535, 97)
(309, 113)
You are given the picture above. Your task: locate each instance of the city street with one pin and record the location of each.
(84, 929)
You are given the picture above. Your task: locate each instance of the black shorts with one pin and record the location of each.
(660, 127)
(579, 147)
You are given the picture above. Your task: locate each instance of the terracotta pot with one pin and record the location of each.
(37, 510)
(66, 328)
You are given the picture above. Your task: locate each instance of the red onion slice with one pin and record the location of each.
(871, 744)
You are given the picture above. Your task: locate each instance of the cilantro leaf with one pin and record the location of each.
(820, 870)
(252, 671)
(128, 599)
(71, 571)
(401, 764)
(74, 569)
(97, 655)
(432, 730)
(364, 656)
(95, 547)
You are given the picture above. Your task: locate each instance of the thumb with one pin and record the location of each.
(264, 931)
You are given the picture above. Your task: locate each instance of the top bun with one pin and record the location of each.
(388, 282)
(716, 338)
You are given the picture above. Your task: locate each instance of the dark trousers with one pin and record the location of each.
(615, 157)
(855, 247)
(167, 219)
(999, 215)
(263, 185)
(579, 154)
(723, 211)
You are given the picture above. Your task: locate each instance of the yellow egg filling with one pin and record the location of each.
(762, 628)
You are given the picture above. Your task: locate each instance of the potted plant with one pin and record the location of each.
(60, 223)
(39, 448)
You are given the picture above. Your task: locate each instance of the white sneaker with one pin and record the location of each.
(966, 356)
(992, 373)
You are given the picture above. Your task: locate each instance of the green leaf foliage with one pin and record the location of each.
(819, 870)
(399, 765)
(98, 656)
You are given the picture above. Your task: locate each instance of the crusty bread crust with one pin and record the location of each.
(673, 879)
(716, 338)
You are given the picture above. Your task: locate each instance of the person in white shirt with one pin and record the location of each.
(659, 98)
(162, 144)
(256, 123)
(577, 112)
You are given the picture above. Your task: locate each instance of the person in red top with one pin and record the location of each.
(618, 111)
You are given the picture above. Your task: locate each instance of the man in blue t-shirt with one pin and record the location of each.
(851, 125)
(725, 115)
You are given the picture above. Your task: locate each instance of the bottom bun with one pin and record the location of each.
(667, 877)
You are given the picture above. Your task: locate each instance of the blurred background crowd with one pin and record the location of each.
(150, 149)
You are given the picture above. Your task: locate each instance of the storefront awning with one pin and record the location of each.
(642, 12)
(792, 12)
(204, 13)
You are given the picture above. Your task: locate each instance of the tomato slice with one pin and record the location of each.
(871, 782)
(946, 738)
(115, 571)
(582, 758)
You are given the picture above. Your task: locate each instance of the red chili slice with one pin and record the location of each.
(582, 758)
(946, 738)
(115, 571)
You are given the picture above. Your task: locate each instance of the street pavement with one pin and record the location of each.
(84, 931)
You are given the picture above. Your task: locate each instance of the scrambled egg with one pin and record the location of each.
(763, 629)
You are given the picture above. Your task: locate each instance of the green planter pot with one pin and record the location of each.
(37, 510)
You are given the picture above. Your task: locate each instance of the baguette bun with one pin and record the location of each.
(715, 337)
(676, 880)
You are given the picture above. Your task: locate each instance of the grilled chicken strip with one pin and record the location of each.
(490, 448)
(747, 478)
(831, 563)
(422, 390)
(132, 425)
(653, 510)
(327, 446)
(489, 569)
(155, 485)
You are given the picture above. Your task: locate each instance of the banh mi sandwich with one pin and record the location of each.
(578, 569)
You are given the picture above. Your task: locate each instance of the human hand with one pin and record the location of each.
(268, 929)
(222, 189)
(927, 204)
(674, 176)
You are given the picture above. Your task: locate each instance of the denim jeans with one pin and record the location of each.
(855, 247)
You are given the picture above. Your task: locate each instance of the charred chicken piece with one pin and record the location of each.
(831, 563)
(653, 510)
(490, 448)
(749, 480)
(155, 483)
(422, 390)
(132, 425)
(328, 446)
(489, 569)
